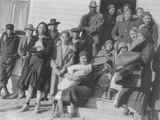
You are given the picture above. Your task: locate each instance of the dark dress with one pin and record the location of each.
(37, 72)
(9, 54)
(156, 83)
(136, 87)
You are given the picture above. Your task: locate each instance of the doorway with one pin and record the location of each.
(119, 4)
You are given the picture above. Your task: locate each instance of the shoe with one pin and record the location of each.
(36, 109)
(5, 96)
(21, 96)
(24, 108)
(13, 96)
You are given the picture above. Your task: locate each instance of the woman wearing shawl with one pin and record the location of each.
(136, 75)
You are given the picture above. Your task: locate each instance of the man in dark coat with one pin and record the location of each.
(109, 22)
(8, 45)
(121, 30)
(92, 23)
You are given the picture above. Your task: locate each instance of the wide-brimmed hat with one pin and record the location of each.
(93, 4)
(10, 26)
(29, 27)
(53, 21)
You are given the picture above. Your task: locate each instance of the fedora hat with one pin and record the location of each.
(93, 4)
(10, 26)
(53, 21)
(29, 27)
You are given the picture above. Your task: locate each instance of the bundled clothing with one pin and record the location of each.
(136, 77)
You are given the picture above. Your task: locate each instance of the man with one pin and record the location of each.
(109, 22)
(126, 7)
(8, 45)
(121, 30)
(25, 45)
(138, 18)
(92, 23)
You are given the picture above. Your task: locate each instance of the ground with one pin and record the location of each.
(9, 110)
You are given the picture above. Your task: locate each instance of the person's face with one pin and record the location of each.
(9, 31)
(93, 9)
(83, 60)
(52, 27)
(41, 29)
(147, 19)
(127, 15)
(108, 46)
(29, 33)
(112, 11)
(65, 38)
(74, 35)
(133, 35)
(140, 12)
(126, 8)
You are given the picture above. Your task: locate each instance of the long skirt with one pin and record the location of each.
(35, 74)
(78, 95)
(135, 99)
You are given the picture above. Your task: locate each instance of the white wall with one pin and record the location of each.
(68, 12)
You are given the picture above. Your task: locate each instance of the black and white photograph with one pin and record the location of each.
(79, 60)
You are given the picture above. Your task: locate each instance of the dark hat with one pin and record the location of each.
(77, 30)
(29, 27)
(93, 4)
(10, 26)
(147, 13)
(53, 21)
(111, 6)
(83, 53)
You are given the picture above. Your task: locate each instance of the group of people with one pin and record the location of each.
(110, 55)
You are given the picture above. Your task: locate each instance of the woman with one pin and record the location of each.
(149, 28)
(64, 58)
(79, 93)
(36, 73)
(136, 77)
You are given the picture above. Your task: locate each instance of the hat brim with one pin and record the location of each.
(93, 6)
(57, 23)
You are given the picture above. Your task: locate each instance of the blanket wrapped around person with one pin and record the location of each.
(134, 75)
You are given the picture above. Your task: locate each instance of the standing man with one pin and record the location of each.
(120, 32)
(92, 23)
(53, 29)
(8, 45)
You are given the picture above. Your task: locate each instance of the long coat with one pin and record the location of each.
(109, 23)
(23, 50)
(121, 30)
(62, 61)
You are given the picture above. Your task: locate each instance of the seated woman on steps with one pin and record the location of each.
(75, 89)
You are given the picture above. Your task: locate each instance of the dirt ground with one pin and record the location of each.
(9, 110)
